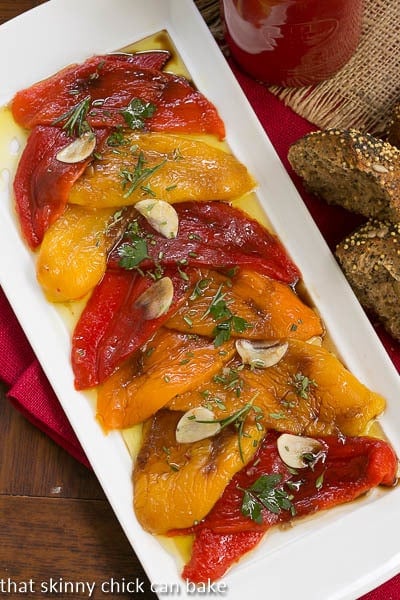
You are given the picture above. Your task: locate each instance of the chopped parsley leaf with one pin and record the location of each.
(137, 112)
(266, 492)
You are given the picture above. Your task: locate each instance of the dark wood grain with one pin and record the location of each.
(54, 519)
(72, 540)
(55, 522)
(12, 8)
(33, 465)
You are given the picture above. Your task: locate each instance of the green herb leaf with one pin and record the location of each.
(131, 255)
(266, 483)
(176, 154)
(199, 289)
(132, 252)
(292, 471)
(302, 385)
(133, 179)
(295, 485)
(319, 482)
(217, 401)
(188, 321)
(311, 458)
(217, 299)
(251, 507)
(239, 324)
(183, 275)
(266, 492)
(220, 311)
(117, 138)
(137, 112)
(277, 416)
(231, 272)
(158, 272)
(75, 119)
(238, 419)
(230, 380)
(114, 220)
(148, 190)
(222, 334)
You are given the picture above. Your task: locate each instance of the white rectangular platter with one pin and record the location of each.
(337, 555)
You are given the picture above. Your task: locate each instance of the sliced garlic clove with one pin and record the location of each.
(157, 299)
(191, 427)
(261, 354)
(292, 449)
(161, 215)
(315, 340)
(79, 149)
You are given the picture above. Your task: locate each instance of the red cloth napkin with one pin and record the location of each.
(29, 390)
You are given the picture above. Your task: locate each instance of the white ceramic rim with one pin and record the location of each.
(337, 555)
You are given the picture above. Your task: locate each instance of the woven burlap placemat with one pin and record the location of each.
(364, 92)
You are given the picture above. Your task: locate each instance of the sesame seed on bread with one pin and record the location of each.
(351, 169)
(370, 260)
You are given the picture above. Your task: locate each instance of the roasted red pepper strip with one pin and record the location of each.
(148, 59)
(349, 468)
(213, 553)
(111, 83)
(112, 326)
(42, 183)
(46, 100)
(217, 235)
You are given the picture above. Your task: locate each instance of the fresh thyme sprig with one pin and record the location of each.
(135, 115)
(238, 419)
(131, 180)
(75, 118)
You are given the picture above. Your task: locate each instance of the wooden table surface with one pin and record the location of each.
(56, 526)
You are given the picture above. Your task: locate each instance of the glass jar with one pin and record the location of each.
(292, 42)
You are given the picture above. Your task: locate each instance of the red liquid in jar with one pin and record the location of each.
(292, 42)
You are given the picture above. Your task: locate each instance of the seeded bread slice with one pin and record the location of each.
(355, 170)
(394, 127)
(370, 260)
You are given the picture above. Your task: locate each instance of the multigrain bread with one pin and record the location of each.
(370, 260)
(351, 169)
(394, 127)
